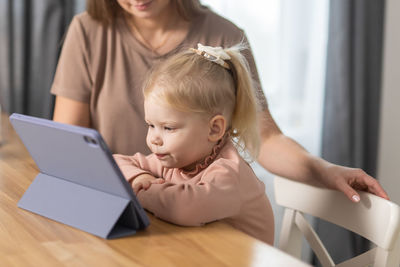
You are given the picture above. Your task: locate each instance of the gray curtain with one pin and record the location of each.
(31, 33)
(351, 110)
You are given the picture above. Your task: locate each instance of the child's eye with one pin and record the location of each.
(168, 128)
(150, 125)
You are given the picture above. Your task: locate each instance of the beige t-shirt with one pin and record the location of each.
(105, 66)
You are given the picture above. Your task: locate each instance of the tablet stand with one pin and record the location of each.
(93, 211)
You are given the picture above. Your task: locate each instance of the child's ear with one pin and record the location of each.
(217, 128)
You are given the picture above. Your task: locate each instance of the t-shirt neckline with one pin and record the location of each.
(142, 49)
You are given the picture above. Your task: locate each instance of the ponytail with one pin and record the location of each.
(244, 118)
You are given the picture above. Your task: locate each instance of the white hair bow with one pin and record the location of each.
(214, 54)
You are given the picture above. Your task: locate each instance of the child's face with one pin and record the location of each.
(178, 139)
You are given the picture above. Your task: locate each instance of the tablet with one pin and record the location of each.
(79, 176)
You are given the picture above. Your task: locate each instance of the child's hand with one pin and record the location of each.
(144, 181)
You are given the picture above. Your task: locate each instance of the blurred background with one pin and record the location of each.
(329, 69)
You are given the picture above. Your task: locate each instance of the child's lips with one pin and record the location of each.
(160, 156)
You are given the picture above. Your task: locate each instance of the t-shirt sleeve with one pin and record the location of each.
(72, 78)
(215, 196)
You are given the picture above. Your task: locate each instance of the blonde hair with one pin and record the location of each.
(191, 83)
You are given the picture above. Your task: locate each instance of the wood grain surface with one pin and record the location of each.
(28, 239)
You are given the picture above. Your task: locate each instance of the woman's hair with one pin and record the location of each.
(105, 11)
(191, 83)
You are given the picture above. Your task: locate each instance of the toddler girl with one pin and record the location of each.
(200, 108)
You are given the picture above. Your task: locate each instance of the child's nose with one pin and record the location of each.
(156, 140)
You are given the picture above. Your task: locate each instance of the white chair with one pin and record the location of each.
(374, 218)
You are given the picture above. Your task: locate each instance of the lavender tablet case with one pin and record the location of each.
(79, 183)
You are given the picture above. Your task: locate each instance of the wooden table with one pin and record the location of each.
(27, 239)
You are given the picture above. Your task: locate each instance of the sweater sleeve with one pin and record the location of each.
(133, 166)
(215, 196)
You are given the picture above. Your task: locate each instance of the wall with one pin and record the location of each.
(389, 139)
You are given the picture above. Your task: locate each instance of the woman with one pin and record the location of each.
(110, 48)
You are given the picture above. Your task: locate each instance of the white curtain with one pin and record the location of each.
(289, 41)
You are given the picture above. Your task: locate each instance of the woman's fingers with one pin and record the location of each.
(371, 185)
(357, 179)
(348, 190)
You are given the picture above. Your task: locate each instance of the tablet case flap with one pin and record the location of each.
(90, 210)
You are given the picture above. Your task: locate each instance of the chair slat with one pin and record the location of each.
(365, 259)
(374, 218)
(334, 207)
(314, 241)
(290, 239)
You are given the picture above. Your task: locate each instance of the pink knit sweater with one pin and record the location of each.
(225, 188)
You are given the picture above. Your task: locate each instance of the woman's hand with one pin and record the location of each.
(144, 181)
(348, 180)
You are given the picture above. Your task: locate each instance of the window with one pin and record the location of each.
(288, 39)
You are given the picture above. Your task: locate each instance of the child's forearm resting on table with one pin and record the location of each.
(193, 204)
(190, 203)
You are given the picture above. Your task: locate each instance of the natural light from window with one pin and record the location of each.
(288, 39)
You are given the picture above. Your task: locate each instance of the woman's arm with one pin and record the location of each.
(283, 156)
(71, 112)
(73, 80)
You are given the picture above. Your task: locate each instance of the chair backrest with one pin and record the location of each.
(374, 218)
